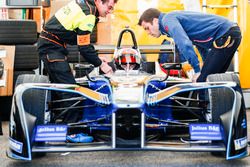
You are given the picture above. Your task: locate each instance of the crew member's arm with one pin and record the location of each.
(88, 51)
(182, 41)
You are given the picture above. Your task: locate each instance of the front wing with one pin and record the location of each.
(22, 124)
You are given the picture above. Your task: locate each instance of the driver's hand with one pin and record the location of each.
(106, 68)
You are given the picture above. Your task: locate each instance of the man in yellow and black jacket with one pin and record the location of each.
(72, 24)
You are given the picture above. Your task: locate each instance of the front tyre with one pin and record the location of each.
(34, 101)
(221, 99)
(221, 103)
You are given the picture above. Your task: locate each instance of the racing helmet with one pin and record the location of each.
(127, 59)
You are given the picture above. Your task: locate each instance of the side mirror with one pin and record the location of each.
(171, 66)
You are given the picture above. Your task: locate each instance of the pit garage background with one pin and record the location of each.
(127, 14)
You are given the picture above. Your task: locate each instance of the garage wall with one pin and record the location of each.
(244, 53)
(127, 14)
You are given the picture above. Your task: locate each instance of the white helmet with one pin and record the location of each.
(127, 59)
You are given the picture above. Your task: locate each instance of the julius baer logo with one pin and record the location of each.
(51, 133)
(205, 128)
(205, 132)
(42, 129)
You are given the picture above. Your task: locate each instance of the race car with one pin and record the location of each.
(130, 110)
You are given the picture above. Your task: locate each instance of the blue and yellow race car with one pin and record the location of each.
(130, 110)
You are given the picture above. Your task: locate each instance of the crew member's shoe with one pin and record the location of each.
(79, 138)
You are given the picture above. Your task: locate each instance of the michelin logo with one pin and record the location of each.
(240, 143)
(16, 145)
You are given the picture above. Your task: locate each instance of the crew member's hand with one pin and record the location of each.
(195, 76)
(106, 68)
(188, 70)
(104, 59)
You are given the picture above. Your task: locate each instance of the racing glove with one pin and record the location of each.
(195, 77)
(188, 70)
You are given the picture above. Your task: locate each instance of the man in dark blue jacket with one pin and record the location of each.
(216, 38)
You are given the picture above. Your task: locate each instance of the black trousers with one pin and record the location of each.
(59, 71)
(218, 59)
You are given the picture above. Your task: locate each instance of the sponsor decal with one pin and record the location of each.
(16, 145)
(166, 28)
(205, 132)
(51, 133)
(91, 26)
(240, 143)
(66, 10)
(244, 123)
(83, 39)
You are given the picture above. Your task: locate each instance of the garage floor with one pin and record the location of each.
(121, 158)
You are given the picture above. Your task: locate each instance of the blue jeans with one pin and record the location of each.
(218, 60)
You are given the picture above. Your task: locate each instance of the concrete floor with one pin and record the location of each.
(121, 158)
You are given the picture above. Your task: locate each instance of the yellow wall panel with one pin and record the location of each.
(221, 11)
(170, 5)
(127, 14)
(244, 53)
(126, 5)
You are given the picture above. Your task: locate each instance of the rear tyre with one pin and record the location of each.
(18, 32)
(26, 57)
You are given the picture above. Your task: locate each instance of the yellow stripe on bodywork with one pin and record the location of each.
(71, 17)
(90, 93)
(161, 95)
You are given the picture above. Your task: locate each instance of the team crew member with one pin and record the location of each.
(216, 38)
(72, 24)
